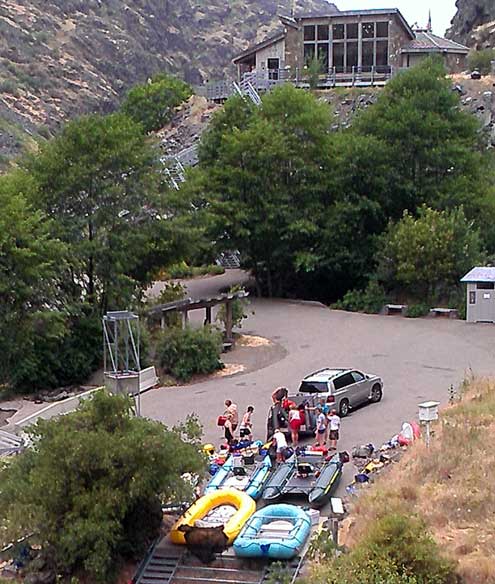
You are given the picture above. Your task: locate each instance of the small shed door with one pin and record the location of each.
(486, 305)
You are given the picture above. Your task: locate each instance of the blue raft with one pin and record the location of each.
(277, 531)
(251, 480)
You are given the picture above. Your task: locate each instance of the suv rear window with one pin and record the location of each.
(313, 387)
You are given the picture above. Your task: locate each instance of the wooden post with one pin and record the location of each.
(162, 321)
(185, 319)
(208, 315)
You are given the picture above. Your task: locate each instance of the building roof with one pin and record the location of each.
(427, 42)
(480, 275)
(257, 47)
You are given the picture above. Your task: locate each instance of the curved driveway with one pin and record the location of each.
(418, 359)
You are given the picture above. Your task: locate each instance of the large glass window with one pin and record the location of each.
(368, 54)
(352, 55)
(323, 32)
(352, 30)
(368, 30)
(338, 31)
(309, 54)
(338, 56)
(382, 30)
(309, 32)
(323, 55)
(381, 53)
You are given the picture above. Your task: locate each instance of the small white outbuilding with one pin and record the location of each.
(480, 297)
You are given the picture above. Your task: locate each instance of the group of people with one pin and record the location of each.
(231, 422)
(327, 422)
(327, 419)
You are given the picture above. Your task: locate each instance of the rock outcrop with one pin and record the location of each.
(474, 23)
(62, 58)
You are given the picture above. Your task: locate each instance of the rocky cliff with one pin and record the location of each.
(60, 58)
(474, 23)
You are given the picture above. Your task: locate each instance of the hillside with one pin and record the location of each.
(60, 58)
(474, 23)
(449, 486)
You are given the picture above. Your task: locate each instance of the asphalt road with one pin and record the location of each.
(418, 360)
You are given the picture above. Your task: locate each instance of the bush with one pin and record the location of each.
(152, 104)
(369, 300)
(186, 352)
(396, 550)
(417, 310)
(181, 271)
(481, 60)
(92, 488)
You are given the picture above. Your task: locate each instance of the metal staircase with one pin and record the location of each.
(246, 90)
(169, 565)
(158, 567)
(175, 166)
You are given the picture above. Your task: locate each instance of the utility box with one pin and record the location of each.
(480, 299)
(428, 411)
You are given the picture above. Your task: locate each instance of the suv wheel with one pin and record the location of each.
(376, 393)
(344, 408)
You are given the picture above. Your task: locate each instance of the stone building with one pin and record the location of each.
(357, 47)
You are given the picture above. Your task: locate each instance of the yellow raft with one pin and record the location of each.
(205, 505)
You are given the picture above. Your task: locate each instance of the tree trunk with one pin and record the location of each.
(91, 268)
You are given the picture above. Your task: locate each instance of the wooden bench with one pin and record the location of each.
(445, 312)
(394, 309)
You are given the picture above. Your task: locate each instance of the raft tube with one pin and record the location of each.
(278, 532)
(244, 504)
(252, 484)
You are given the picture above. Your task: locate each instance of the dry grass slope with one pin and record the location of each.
(451, 485)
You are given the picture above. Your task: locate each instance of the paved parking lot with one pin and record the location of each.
(418, 359)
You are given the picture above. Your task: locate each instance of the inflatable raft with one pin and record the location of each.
(308, 474)
(248, 478)
(228, 507)
(278, 532)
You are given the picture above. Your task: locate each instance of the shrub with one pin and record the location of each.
(152, 104)
(397, 549)
(481, 60)
(92, 488)
(369, 300)
(417, 310)
(185, 352)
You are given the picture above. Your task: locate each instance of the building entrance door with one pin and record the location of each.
(273, 68)
(486, 305)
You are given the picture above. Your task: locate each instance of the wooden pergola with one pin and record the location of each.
(184, 307)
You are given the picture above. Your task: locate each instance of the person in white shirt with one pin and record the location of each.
(280, 444)
(321, 426)
(334, 423)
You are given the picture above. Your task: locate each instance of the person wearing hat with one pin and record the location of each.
(334, 424)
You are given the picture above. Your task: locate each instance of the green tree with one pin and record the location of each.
(152, 104)
(265, 184)
(434, 147)
(90, 489)
(99, 182)
(31, 261)
(235, 115)
(427, 255)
